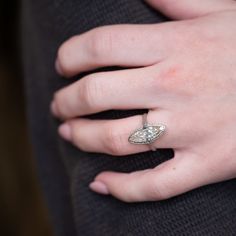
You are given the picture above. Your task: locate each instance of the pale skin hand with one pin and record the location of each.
(186, 77)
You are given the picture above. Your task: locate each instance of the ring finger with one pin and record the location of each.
(111, 136)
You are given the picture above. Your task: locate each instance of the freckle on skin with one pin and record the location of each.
(174, 168)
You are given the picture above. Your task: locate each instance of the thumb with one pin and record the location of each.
(187, 9)
(169, 179)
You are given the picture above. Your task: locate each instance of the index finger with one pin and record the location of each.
(117, 45)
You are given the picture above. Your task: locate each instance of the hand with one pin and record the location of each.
(184, 72)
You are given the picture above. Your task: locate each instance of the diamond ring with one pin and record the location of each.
(147, 134)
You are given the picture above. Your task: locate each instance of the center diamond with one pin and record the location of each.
(146, 135)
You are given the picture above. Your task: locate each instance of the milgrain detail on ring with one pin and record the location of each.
(147, 134)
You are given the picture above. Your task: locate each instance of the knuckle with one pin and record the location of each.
(114, 143)
(89, 92)
(101, 42)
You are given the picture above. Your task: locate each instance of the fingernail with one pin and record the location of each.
(65, 131)
(54, 108)
(99, 187)
(58, 67)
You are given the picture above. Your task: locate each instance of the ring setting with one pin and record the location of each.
(147, 134)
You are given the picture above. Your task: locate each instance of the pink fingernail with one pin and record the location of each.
(58, 67)
(65, 131)
(99, 187)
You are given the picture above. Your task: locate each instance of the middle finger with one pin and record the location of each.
(125, 89)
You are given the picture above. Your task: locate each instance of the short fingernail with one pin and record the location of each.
(99, 187)
(58, 67)
(65, 131)
(54, 108)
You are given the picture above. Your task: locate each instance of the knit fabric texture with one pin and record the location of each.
(65, 172)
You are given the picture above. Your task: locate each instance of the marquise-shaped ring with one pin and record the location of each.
(148, 134)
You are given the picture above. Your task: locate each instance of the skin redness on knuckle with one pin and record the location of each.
(169, 78)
